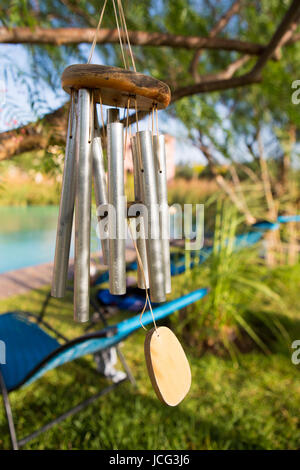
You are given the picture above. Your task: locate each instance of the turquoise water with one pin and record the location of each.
(27, 236)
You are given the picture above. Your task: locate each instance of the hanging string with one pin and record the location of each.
(156, 118)
(152, 113)
(102, 117)
(123, 19)
(139, 259)
(152, 127)
(126, 129)
(157, 154)
(158, 141)
(137, 136)
(140, 263)
(71, 113)
(149, 117)
(122, 29)
(118, 11)
(96, 33)
(126, 113)
(119, 34)
(91, 118)
(129, 125)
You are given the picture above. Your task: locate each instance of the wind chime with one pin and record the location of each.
(91, 86)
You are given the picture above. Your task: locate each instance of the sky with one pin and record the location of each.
(16, 109)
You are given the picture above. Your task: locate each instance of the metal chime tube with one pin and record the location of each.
(99, 176)
(83, 207)
(139, 221)
(113, 115)
(66, 210)
(116, 199)
(162, 194)
(153, 241)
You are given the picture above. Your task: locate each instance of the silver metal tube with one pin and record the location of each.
(162, 194)
(117, 208)
(153, 241)
(66, 210)
(113, 115)
(83, 207)
(99, 176)
(139, 221)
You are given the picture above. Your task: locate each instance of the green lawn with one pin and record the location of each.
(252, 406)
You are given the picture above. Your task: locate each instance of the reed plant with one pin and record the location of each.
(230, 319)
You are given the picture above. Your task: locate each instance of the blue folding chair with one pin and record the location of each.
(31, 351)
(134, 299)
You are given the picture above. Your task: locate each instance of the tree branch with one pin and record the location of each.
(216, 85)
(254, 76)
(289, 37)
(280, 36)
(35, 135)
(219, 26)
(65, 36)
(226, 73)
(294, 38)
(30, 136)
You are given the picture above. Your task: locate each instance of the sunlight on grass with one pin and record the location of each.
(254, 406)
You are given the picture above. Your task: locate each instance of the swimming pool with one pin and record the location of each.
(27, 236)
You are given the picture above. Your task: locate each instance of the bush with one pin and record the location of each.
(236, 278)
(185, 172)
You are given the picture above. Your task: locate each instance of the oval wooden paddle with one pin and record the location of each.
(168, 367)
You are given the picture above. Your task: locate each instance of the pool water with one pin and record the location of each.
(27, 236)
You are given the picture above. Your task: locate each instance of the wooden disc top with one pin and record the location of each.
(116, 86)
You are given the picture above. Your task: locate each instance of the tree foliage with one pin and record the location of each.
(223, 117)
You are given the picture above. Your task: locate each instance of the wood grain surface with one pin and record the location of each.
(116, 85)
(167, 365)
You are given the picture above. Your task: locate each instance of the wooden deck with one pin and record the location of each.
(23, 280)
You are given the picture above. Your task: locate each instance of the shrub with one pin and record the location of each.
(236, 277)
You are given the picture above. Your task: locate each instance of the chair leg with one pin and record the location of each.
(126, 367)
(44, 306)
(9, 415)
(123, 361)
(70, 412)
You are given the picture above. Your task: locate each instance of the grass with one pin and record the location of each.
(194, 191)
(29, 193)
(253, 405)
(24, 181)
